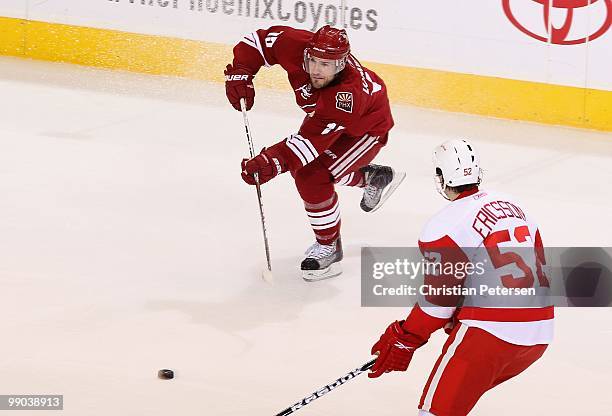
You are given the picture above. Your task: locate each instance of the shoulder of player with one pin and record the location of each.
(288, 35)
(449, 220)
(437, 227)
(494, 196)
(518, 203)
(455, 219)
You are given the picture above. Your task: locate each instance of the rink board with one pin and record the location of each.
(448, 90)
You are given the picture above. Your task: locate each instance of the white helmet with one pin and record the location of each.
(457, 163)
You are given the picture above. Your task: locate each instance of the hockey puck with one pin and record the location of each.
(165, 374)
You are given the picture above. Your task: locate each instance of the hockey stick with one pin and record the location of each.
(324, 390)
(267, 276)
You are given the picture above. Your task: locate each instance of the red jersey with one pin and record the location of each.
(354, 104)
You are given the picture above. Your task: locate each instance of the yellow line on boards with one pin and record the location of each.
(476, 94)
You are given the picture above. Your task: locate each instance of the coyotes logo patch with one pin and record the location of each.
(344, 101)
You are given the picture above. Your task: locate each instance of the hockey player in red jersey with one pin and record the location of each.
(490, 341)
(346, 124)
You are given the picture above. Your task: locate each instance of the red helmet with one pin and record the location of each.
(328, 43)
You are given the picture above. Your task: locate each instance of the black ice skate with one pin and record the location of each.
(381, 182)
(322, 261)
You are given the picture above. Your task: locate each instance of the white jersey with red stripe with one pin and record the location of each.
(493, 232)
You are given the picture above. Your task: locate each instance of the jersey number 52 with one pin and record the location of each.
(500, 259)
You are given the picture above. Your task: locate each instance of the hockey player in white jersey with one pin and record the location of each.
(492, 338)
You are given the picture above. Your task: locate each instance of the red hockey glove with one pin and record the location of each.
(265, 165)
(395, 348)
(239, 84)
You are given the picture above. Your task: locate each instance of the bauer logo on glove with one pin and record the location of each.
(238, 85)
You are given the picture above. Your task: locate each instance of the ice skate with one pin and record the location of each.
(322, 261)
(381, 182)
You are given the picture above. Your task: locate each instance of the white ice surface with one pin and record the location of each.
(128, 243)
